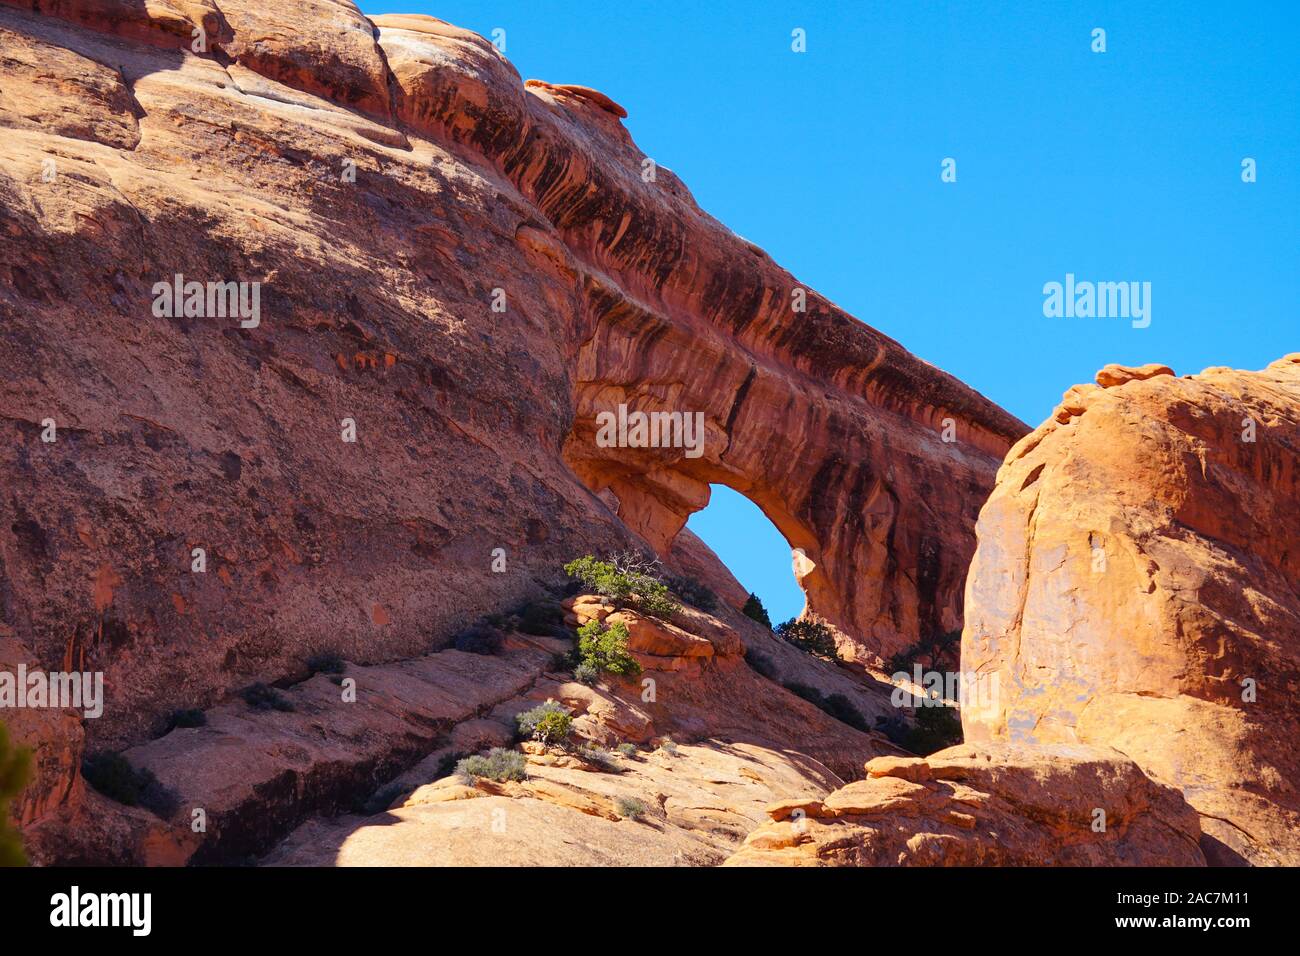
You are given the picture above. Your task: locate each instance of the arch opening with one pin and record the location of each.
(753, 549)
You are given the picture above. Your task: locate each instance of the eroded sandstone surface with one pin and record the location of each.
(455, 269)
(457, 272)
(997, 804)
(1137, 586)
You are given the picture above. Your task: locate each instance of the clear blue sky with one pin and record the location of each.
(1115, 166)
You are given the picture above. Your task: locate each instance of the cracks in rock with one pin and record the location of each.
(736, 403)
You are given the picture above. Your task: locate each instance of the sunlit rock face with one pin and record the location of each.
(441, 277)
(1137, 585)
(1000, 804)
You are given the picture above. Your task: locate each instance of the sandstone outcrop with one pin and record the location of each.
(306, 758)
(988, 805)
(1137, 586)
(453, 268)
(696, 803)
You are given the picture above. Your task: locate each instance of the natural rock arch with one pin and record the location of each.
(851, 466)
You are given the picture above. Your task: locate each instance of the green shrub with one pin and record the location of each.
(842, 709)
(761, 663)
(186, 718)
(326, 664)
(447, 763)
(834, 705)
(262, 697)
(479, 639)
(605, 648)
(694, 593)
(626, 749)
(14, 763)
(810, 694)
(630, 808)
(113, 776)
(936, 728)
(668, 746)
(499, 765)
(625, 578)
(810, 635)
(549, 722)
(935, 646)
(598, 757)
(586, 673)
(754, 609)
(902, 661)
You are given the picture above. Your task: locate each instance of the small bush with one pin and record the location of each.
(668, 746)
(626, 578)
(186, 718)
(262, 697)
(542, 619)
(564, 660)
(549, 722)
(902, 661)
(479, 639)
(113, 776)
(810, 635)
(447, 763)
(499, 765)
(935, 647)
(326, 664)
(14, 765)
(936, 728)
(842, 709)
(895, 728)
(754, 610)
(626, 749)
(694, 593)
(630, 808)
(810, 694)
(586, 673)
(760, 663)
(605, 648)
(598, 757)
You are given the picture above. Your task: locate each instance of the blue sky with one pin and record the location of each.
(1115, 166)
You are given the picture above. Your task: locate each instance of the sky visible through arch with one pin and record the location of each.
(1115, 166)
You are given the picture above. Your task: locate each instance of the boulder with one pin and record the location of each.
(1137, 586)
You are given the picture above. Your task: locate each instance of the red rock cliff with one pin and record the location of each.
(382, 181)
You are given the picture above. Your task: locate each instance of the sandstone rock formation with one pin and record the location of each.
(988, 805)
(1137, 586)
(456, 273)
(455, 268)
(334, 743)
(698, 803)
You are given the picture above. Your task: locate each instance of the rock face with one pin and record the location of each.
(321, 763)
(1137, 586)
(454, 273)
(988, 805)
(693, 806)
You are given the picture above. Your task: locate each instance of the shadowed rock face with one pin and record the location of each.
(1137, 586)
(381, 181)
